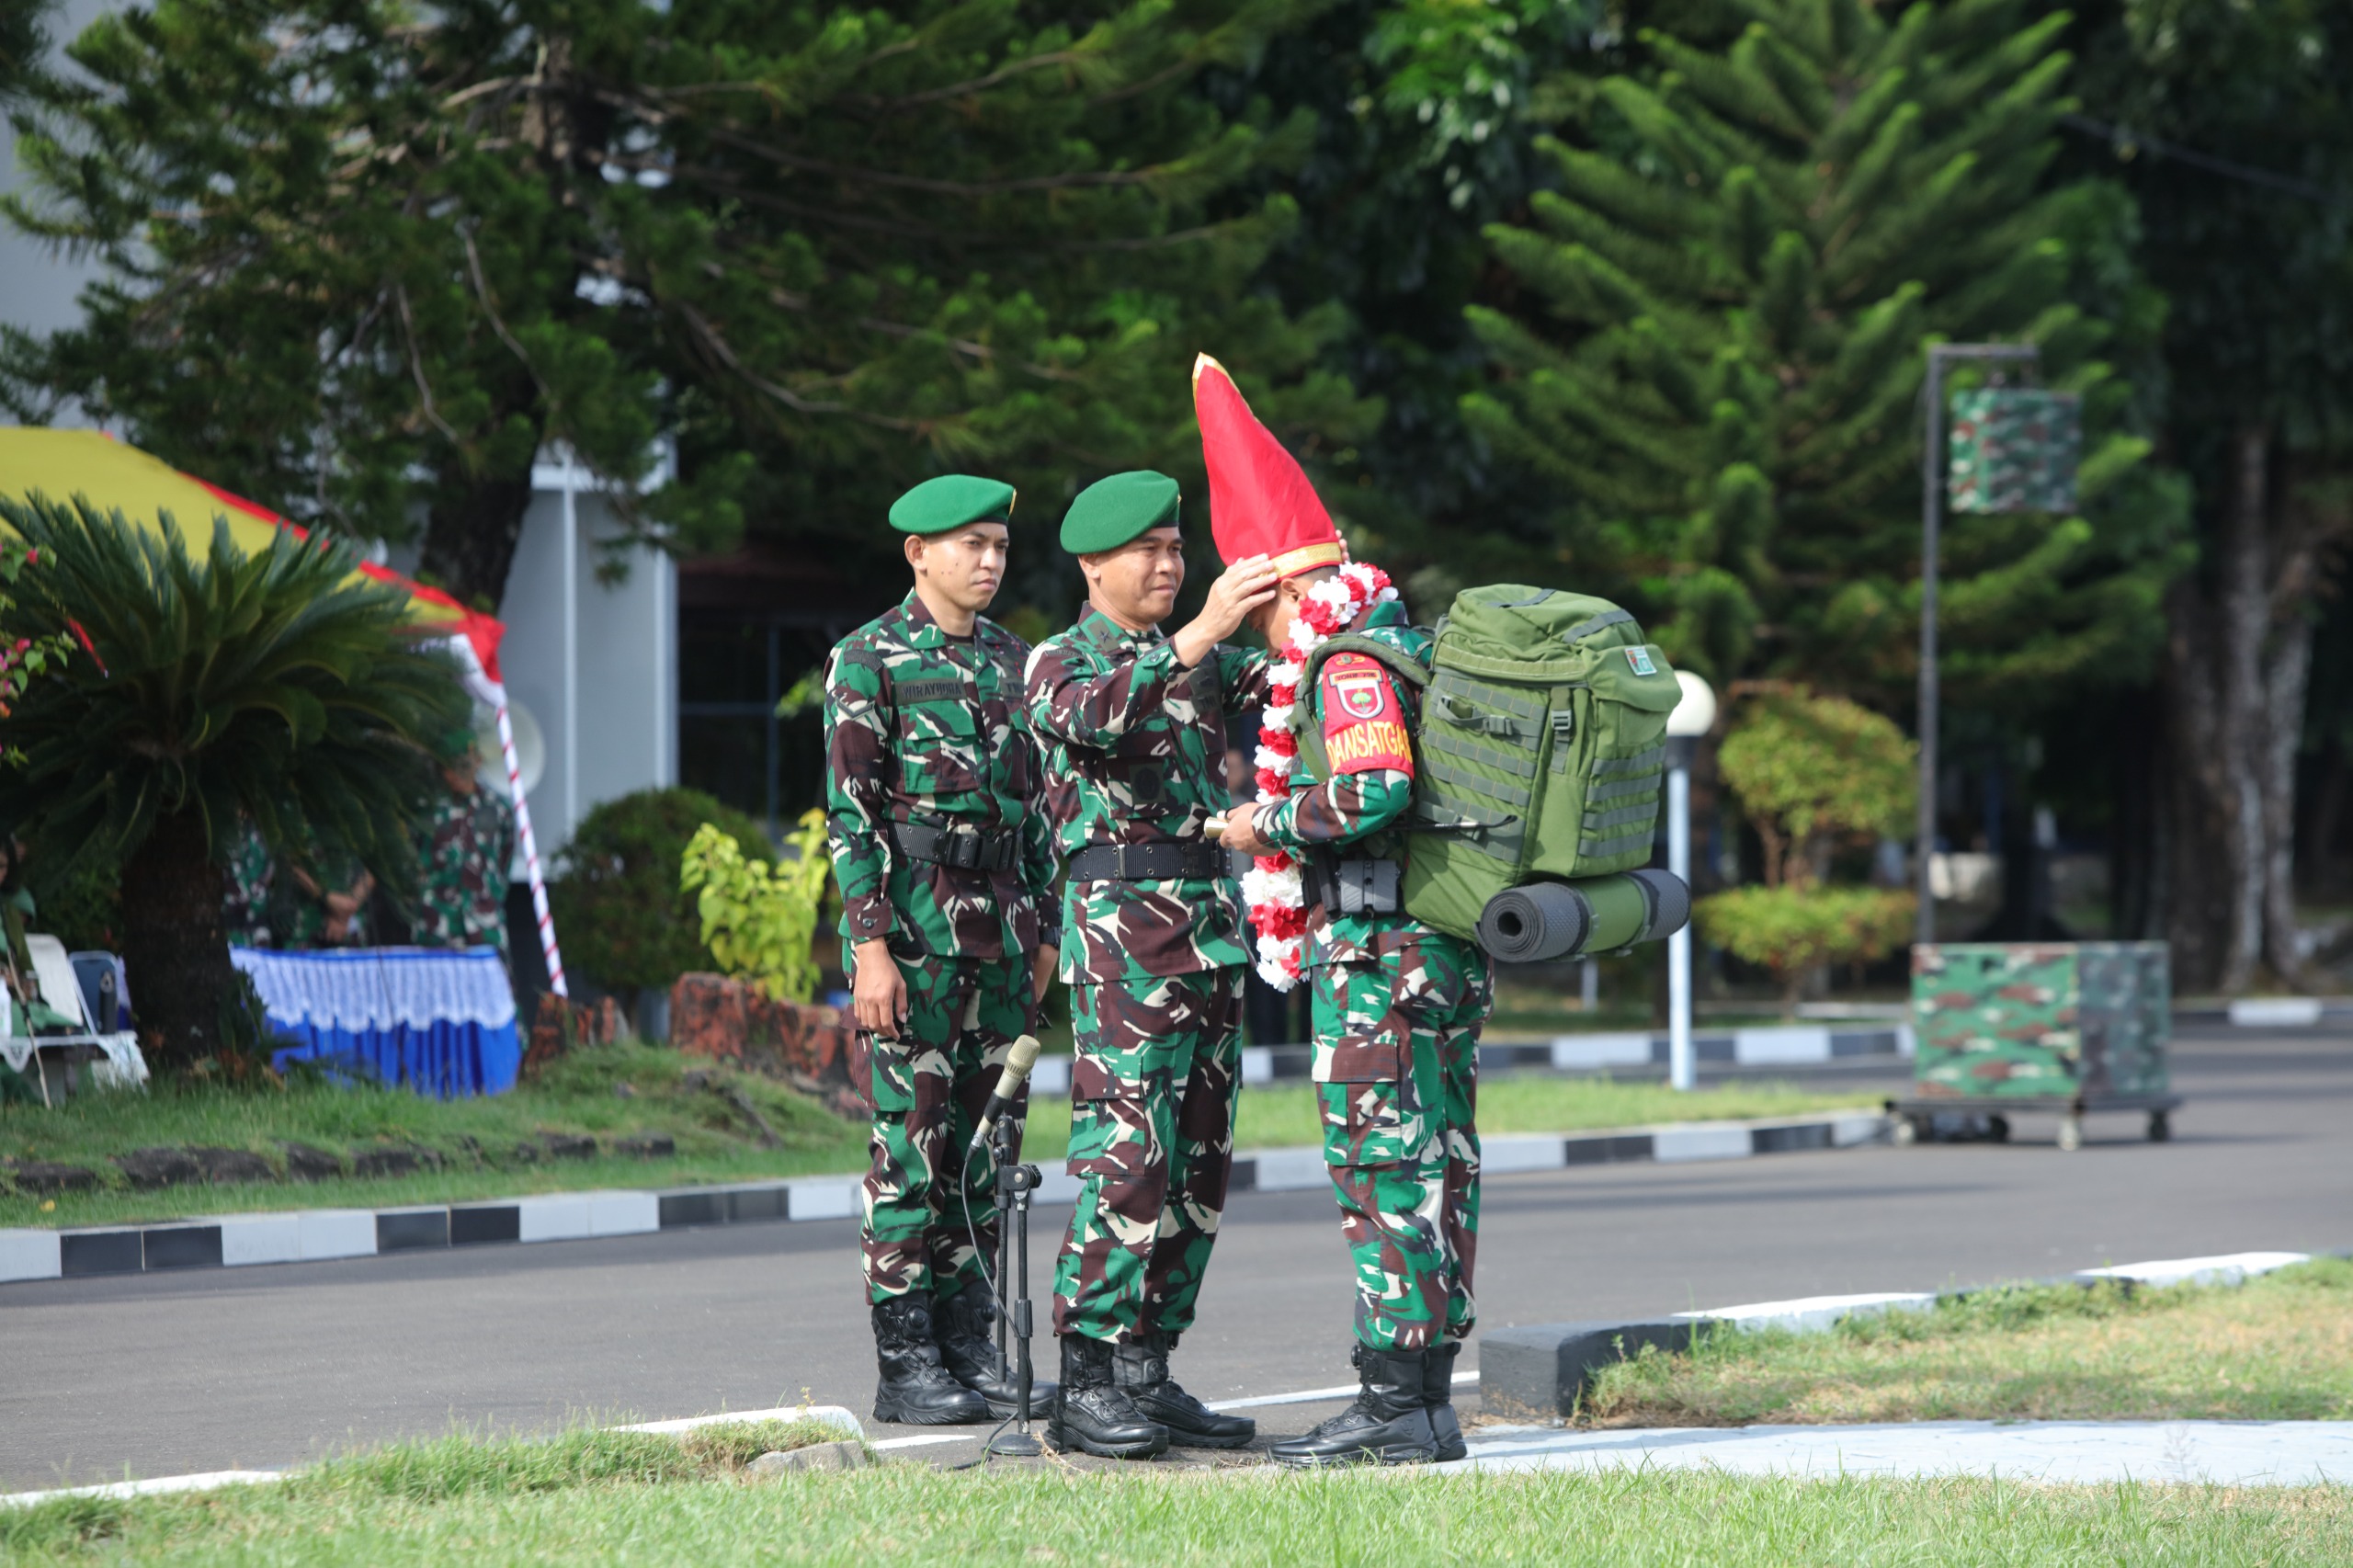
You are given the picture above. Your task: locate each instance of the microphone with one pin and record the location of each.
(1008, 1088)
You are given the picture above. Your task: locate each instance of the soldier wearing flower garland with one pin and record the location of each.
(1397, 1004)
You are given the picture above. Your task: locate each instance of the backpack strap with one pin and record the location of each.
(1403, 665)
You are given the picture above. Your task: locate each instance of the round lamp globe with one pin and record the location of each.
(1696, 714)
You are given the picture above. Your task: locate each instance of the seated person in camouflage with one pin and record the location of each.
(945, 868)
(321, 899)
(1397, 1004)
(466, 839)
(1134, 722)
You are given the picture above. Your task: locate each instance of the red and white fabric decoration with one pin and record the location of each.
(1272, 886)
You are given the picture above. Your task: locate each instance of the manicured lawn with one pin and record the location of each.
(2280, 1347)
(501, 1146)
(1283, 1115)
(603, 1498)
(478, 1142)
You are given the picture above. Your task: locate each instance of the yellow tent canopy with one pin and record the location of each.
(113, 477)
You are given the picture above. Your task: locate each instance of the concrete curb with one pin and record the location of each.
(231, 1240)
(1539, 1372)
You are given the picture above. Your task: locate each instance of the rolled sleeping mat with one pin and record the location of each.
(1540, 920)
(1535, 922)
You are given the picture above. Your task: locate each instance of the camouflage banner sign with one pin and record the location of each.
(2015, 450)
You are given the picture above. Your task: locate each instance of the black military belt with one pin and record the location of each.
(1150, 863)
(966, 846)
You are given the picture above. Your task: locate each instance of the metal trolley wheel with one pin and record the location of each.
(1912, 1121)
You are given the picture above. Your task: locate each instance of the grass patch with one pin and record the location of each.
(617, 1497)
(486, 1147)
(2276, 1349)
(1285, 1115)
(476, 1141)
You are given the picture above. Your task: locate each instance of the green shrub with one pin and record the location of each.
(1812, 773)
(624, 921)
(761, 921)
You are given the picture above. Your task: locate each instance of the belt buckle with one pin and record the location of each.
(965, 853)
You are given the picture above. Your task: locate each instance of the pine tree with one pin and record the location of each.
(364, 260)
(1426, 117)
(2251, 236)
(1718, 364)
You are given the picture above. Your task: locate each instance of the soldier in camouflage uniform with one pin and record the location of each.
(946, 869)
(1133, 721)
(1397, 1004)
(245, 910)
(467, 841)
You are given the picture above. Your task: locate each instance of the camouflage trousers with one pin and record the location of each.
(929, 1212)
(1152, 1088)
(1396, 1074)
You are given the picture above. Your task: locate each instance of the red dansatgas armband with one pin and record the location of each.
(1364, 730)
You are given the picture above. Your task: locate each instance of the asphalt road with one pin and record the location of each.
(266, 1367)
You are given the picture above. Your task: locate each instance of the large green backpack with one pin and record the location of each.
(1539, 749)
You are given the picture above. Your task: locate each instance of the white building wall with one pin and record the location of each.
(38, 286)
(611, 726)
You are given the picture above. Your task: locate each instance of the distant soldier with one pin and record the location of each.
(946, 868)
(467, 841)
(245, 907)
(1134, 722)
(1397, 1003)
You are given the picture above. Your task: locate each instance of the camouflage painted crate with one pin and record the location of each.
(2041, 1020)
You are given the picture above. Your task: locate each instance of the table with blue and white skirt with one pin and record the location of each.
(440, 1021)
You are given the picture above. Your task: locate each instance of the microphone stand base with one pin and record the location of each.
(1016, 1445)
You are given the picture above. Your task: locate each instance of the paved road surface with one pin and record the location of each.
(265, 1367)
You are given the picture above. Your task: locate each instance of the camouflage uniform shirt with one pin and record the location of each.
(1355, 809)
(1135, 753)
(468, 843)
(924, 728)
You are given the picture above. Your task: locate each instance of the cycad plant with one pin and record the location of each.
(280, 684)
(1717, 363)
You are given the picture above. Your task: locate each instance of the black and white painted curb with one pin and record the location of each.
(1537, 1372)
(1792, 1045)
(231, 1241)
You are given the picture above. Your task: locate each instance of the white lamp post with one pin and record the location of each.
(1693, 717)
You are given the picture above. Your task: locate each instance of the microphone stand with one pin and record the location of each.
(1015, 1183)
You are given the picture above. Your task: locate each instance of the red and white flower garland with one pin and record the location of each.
(1272, 888)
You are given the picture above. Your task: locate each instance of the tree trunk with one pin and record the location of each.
(2237, 663)
(175, 951)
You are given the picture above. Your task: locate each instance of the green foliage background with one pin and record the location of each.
(624, 921)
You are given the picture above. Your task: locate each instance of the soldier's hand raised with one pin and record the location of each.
(1240, 588)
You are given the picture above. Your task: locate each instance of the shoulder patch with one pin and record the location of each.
(1364, 725)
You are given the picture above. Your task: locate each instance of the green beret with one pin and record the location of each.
(1110, 512)
(949, 502)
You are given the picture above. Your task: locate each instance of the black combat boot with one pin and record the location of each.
(1387, 1424)
(1094, 1417)
(915, 1388)
(1438, 1398)
(965, 1327)
(1140, 1371)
